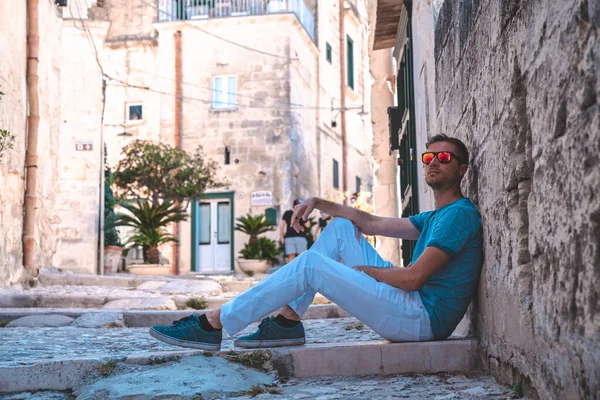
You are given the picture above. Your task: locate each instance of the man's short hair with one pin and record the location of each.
(461, 149)
(296, 202)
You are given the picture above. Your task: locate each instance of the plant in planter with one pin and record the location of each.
(259, 253)
(263, 249)
(253, 226)
(155, 183)
(148, 220)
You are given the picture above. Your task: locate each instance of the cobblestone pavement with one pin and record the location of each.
(434, 387)
(27, 344)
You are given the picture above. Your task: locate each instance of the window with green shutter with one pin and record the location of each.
(328, 52)
(350, 61)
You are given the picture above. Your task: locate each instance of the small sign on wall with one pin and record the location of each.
(261, 198)
(84, 145)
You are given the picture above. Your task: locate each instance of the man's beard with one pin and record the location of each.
(441, 184)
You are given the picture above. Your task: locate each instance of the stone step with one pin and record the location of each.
(342, 359)
(67, 300)
(147, 318)
(133, 281)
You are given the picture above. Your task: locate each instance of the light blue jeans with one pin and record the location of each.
(394, 313)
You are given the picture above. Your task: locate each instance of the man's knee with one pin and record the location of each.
(311, 259)
(341, 223)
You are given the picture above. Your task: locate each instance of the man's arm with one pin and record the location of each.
(413, 277)
(368, 224)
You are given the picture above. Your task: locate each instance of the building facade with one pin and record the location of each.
(259, 92)
(61, 100)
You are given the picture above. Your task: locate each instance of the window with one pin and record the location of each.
(350, 60)
(224, 93)
(328, 52)
(223, 222)
(205, 223)
(336, 173)
(133, 112)
(358, 184)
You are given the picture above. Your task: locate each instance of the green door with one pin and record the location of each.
(407, 157)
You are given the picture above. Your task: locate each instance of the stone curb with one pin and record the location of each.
(315, 360)
(84, 301)
(147, 318)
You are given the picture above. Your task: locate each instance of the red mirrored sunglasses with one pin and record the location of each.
(444, 157)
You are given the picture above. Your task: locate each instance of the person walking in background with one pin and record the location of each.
(324, 219)
(294, 242)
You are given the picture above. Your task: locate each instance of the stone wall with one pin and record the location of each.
(13, 114)
(518, 82)
(70, 99)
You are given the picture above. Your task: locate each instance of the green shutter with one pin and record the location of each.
(350, 60)
(328, 52)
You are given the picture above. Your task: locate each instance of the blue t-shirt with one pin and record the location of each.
(455, 229)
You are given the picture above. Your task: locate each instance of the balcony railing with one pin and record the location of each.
(177, 10)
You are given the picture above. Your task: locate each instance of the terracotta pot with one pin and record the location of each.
(150, 269)
(112, 256)
(254, 266)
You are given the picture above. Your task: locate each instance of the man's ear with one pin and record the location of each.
(463, 169)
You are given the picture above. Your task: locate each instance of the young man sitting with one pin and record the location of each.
(424, 301)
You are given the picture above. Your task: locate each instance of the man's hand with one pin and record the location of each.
(301, 214)
(366, 269)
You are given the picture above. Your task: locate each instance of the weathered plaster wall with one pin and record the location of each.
(385, 190)
(78, 175)
(359, 132)
(519, 81)
(13, 114)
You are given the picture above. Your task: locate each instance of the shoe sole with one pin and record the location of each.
(255, 344)
(184, 343)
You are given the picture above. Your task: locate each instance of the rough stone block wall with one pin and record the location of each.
(518, 81)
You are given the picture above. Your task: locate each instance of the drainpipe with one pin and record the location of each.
(33, 121)
(178, 98)
(343, 101)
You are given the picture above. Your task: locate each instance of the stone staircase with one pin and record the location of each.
(57, 337)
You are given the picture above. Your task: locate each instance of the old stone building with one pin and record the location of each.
(260, 93)
(518, 83)
(260, 89)
(66, 93)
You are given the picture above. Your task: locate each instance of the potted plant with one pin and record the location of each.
(113, 248)
(259, 253)
(148, 221)
(155, 183)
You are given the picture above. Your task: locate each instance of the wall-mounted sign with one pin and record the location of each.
(261, 198)
(84, 145)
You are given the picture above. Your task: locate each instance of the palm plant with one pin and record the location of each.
(253, 226)
(148, 220)
(150, 239)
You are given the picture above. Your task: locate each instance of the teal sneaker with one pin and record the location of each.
(187, 332)
(271, 334)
